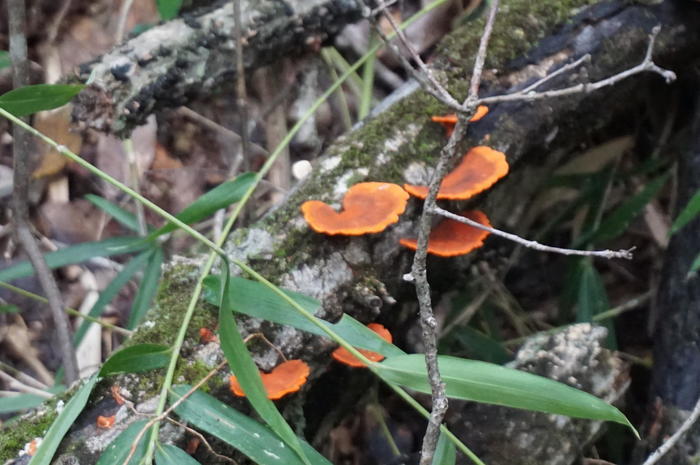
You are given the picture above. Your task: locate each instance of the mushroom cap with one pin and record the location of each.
(285, 378)
(368, 207)
(451, 238)
(449, 121)
(479, 169)
(343, 356)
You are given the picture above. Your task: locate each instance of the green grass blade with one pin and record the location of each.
(76, 254)
(247, 372)
(168, 9)
(445, 452)
(206, 205)
(141, 357)
(62, 423)
(248, 436)
(26, 100)
(147, 289)
(619, 219)
(167, 454)
(494, 384)
(257, 300)
(689, 212)
(696, 265)
(19, 402)
(106, 296)
(118, 450)
(367, 81)
(125, 218)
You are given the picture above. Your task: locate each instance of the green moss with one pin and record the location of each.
(192, 371)
(15, 434)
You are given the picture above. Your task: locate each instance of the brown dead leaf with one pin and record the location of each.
(56, 124)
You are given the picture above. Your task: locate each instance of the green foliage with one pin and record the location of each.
(19, 402)
(142, 357)
(147, 289)
(76, 254)
(257, 300)
(118, 450)
(445, 452)
(220, 197)
(167, 454)
(60, 426)
(9, 308)
(124, 217)
(689, 212)
(248, 436)
(247, 373)
(168, 9)
(5, 60)
(31, 99)
(493, 384)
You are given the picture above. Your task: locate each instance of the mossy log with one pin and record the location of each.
(363, 275)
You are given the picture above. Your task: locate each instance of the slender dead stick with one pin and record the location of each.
(673, 440)
(20, 198)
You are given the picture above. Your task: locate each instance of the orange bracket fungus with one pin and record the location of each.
(451, 238)
(368, 207)
(105, 422)
(480, 168)
(343, 356)
(449, 121)
(285, 378)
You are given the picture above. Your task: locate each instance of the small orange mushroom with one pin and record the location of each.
(115, 390)
(285, 378)
(206, 335)
(451, 238)
(368, 207)
(342, 355)
(480, 168)
(105, 422)
(449, 121)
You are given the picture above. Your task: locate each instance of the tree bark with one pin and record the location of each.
(363, 275)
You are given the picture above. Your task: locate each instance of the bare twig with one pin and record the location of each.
(20, 199)
(241, 99)
(419, 268)
(673, 440)
(423, 74)
(165, 414)
(553, 74)
(534, 244)
(201, 437)
(14, 383)
(647, 65)
(123, 15)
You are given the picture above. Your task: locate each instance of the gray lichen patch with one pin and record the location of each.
(417, 173)
(319, 278)
(256, 243)
(396, 142)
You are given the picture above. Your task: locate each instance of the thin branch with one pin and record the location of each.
(423, 73)
(20, 199)
(14, 383)
(241, 96)
(673, 440)
(627, 254)
(553, 74)
(647, 65)
(419, 268)
(165, 414)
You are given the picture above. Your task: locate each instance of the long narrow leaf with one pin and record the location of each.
(19, 402)
(111, 291)
(126, 218)
(168, 9)
(167, 454)
(257, 300)
(220, 197)
(689, 212)
(76, 254)
(136, 358)
(248, 436)
(59, 427)
(147, 289)
(26, 100)
(445, 452)
(247, 373)
(118, 450)
(495, 384)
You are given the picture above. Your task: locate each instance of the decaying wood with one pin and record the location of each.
(363, 275)
(171, 64)
(676, 386)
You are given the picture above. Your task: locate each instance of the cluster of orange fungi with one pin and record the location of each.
(371, 207)
(291, 375)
